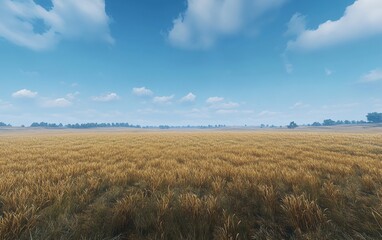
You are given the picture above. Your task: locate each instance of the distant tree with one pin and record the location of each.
(328, 122)
(374, 117)
(347, 122)
(292, 125)
(35, 124)
(316, 124)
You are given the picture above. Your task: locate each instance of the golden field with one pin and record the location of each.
(191, 185)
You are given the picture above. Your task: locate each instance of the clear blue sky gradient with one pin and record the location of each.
(248, 76)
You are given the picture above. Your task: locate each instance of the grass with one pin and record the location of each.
(167, 185)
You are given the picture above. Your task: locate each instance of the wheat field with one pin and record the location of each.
(191, 185)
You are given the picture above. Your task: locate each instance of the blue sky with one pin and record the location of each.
(194, 62)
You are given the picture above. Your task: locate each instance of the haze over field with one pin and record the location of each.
(190, 62)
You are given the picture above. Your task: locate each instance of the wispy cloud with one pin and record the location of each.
(28, 24)
(188, 98)
(163, 99)
(106, 97)
(219, 103)
(142, 92)
(287, 64)
(72, 96)
(205, 21)
(57, 103)
(296, 25)
(228, 105)
(299, 105)
(227, 111)
(361, 19)
(372, 76)
(24, 93)
(213, 100)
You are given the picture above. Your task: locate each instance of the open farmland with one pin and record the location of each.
(191, 185)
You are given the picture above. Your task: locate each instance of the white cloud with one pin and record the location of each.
(106, 97)
(372, 76)
(206, 20)
(24, 93)
(142, 92)
(213, 100)
(57, 103)
(28, 24)
(296, 25)
(220, 104)
(188, 98)
(299, 105)
(361, 19)
(72, 96)
(163, 99)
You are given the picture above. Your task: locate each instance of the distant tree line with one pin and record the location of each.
(47, 125)
(102, 125)
(330, 122)
(5, 125)
(373, 117)
(113, 125)
(84, 125)
(187, 126)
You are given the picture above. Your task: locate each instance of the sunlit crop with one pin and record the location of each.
(195, 185)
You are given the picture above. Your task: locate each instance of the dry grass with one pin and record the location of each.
(191, 186)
